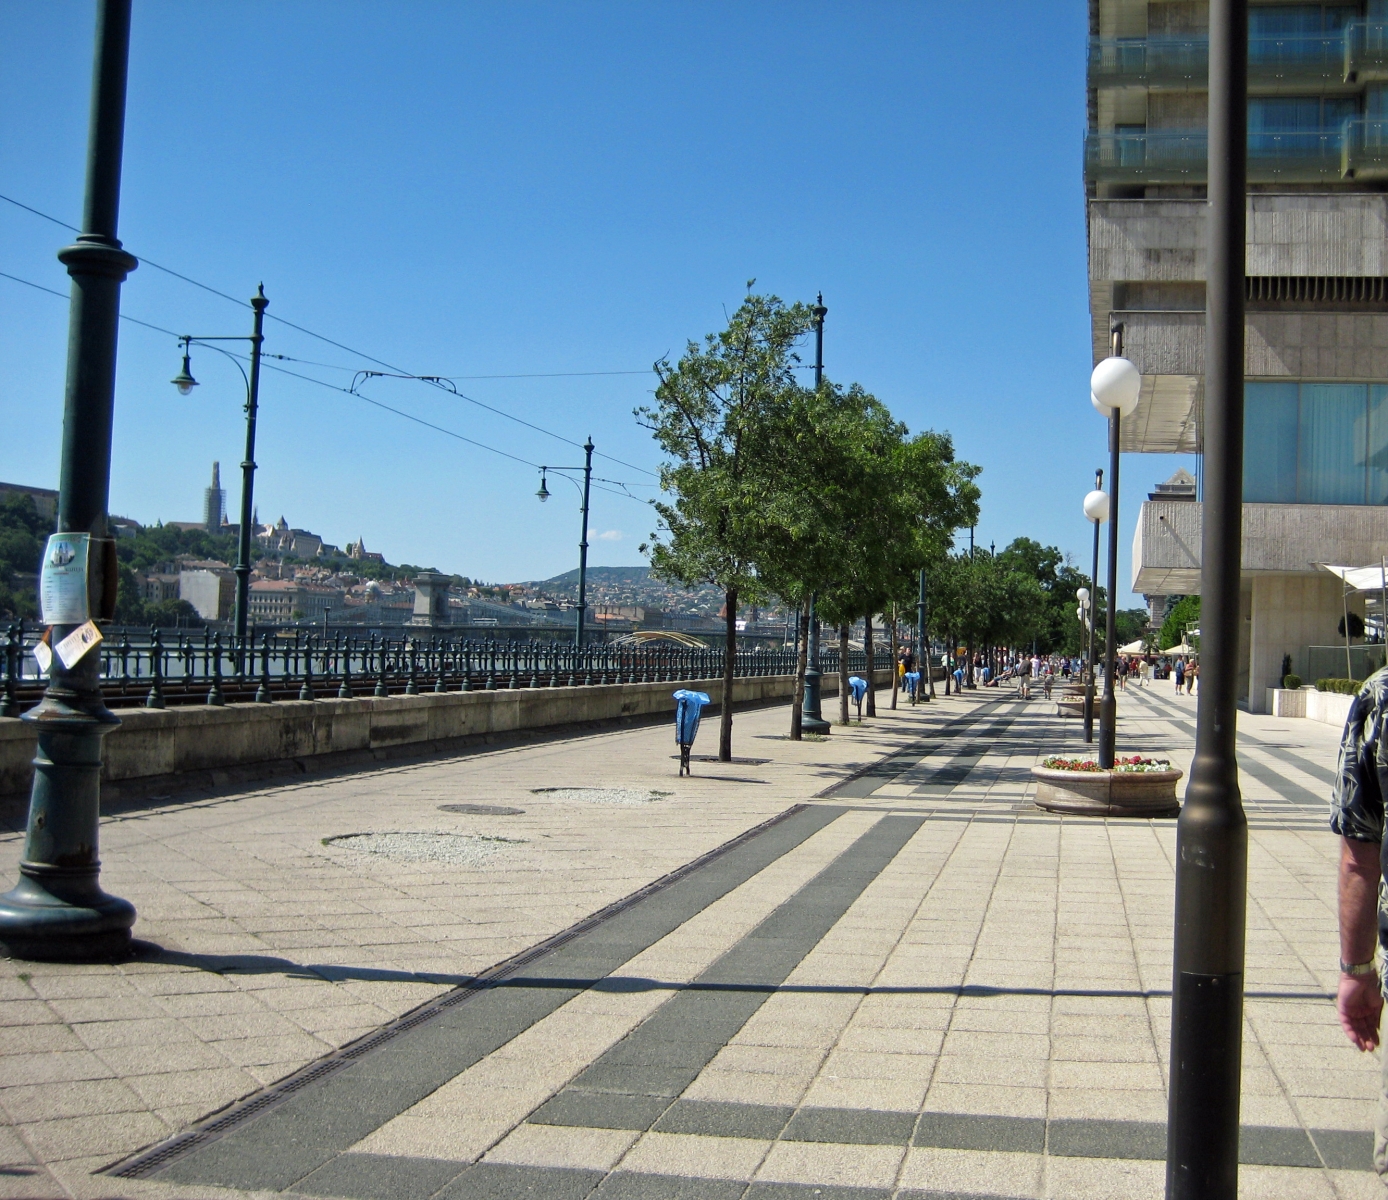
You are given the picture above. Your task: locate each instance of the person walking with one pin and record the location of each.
(1356, 815)
(1144, 672)
(1180, 673)
(1192, 675)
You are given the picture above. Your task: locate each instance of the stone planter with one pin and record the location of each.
(1108, 793)
(1069, 702)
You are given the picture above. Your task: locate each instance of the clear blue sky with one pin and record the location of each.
(528, 188)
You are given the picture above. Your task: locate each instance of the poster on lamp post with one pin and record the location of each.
(63, 580)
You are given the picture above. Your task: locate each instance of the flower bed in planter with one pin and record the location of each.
(1136, 787)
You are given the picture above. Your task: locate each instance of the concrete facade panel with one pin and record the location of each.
(1310, 234)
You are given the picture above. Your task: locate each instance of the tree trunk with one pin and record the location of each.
(872, 685)
(896, 650)
(923, 655)
(797, 712)
(843, 675)
(725, 719)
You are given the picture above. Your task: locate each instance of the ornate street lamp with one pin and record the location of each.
(1113, 390)
(811, 714)
(57, 910)
(185, 383)
(544, 494)
(1096, 510)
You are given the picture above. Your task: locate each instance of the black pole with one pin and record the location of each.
(922, 643)
(58, 911)
(1093, 617)
(1108, 707)
(1212, 833)
(811, 717)
(243, 541)
(583, 543)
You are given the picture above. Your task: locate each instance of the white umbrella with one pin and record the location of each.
(1182, 650)
(1133, 648)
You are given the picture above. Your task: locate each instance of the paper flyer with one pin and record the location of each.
(63, 580)
(72, 648)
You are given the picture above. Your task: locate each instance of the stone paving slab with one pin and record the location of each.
(918, 985)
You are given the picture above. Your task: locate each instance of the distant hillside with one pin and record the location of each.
(631, 585)
(616, 576)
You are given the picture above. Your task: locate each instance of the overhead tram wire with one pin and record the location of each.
(345, 391)
(361, 354)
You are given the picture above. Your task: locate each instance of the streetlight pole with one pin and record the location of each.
(543, 495)
(1108, 707)
(811, 718)
(58, 911)
(1212, 833)
(924, 689)
(185, 383)
(1096, 506)
(583, 543)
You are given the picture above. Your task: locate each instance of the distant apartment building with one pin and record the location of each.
(1316, 365)
(275, 601)
(211, 591)
(158, 586)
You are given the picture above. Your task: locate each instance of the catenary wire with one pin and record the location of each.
(370, 358)
(345, 391)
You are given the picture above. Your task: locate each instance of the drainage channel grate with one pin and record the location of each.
(147, 1162)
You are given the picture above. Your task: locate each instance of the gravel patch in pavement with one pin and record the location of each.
(454, 849)
(603, 795)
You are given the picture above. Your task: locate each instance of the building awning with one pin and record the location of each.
(1361, 579)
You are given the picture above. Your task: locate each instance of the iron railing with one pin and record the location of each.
(157, 668)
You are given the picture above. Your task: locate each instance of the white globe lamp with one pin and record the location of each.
(1115, 384)
(1096, 506)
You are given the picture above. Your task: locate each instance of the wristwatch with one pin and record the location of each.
(1363, 968)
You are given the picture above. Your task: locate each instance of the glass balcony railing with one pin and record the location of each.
(1179, 156)
(1356, 53)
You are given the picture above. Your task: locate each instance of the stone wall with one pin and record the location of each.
(203, 741)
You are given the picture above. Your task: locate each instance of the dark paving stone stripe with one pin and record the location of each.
(660, 1057)
(629, 1185)
(861, 784)
(1300, 796)
(856, 1127)
(716, 1118)
(288, 1141)
(963, 1131)
(951, 774)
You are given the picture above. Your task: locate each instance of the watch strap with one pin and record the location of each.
(1364, 968)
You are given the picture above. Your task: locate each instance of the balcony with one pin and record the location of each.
(1178, 156)
(1358, 149)
(1357, 53)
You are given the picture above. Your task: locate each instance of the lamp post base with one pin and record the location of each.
(810, 720)
(58, 915)
(57, 911)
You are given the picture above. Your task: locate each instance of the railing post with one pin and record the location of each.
(262, 693)
(306, 688)
(155, 698)
(9, 707)
(412, 686)
(214, 695)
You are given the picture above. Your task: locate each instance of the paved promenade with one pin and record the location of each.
(863, 967)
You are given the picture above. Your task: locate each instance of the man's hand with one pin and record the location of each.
(1360, 1005)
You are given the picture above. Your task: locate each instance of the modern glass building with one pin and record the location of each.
(1316, 428)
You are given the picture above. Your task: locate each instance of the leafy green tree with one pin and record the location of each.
(714, 416)
(1185, 612)
(22, 536)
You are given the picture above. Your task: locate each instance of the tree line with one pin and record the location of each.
(774, 488)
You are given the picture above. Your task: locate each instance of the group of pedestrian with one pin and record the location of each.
(1186, 673)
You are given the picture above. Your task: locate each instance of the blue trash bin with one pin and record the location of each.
(859, 688)
(689, 707)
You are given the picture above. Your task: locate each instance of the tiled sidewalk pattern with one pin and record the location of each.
(933, 989)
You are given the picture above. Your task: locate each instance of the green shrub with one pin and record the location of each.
(1291, 682)
(1345, 687)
